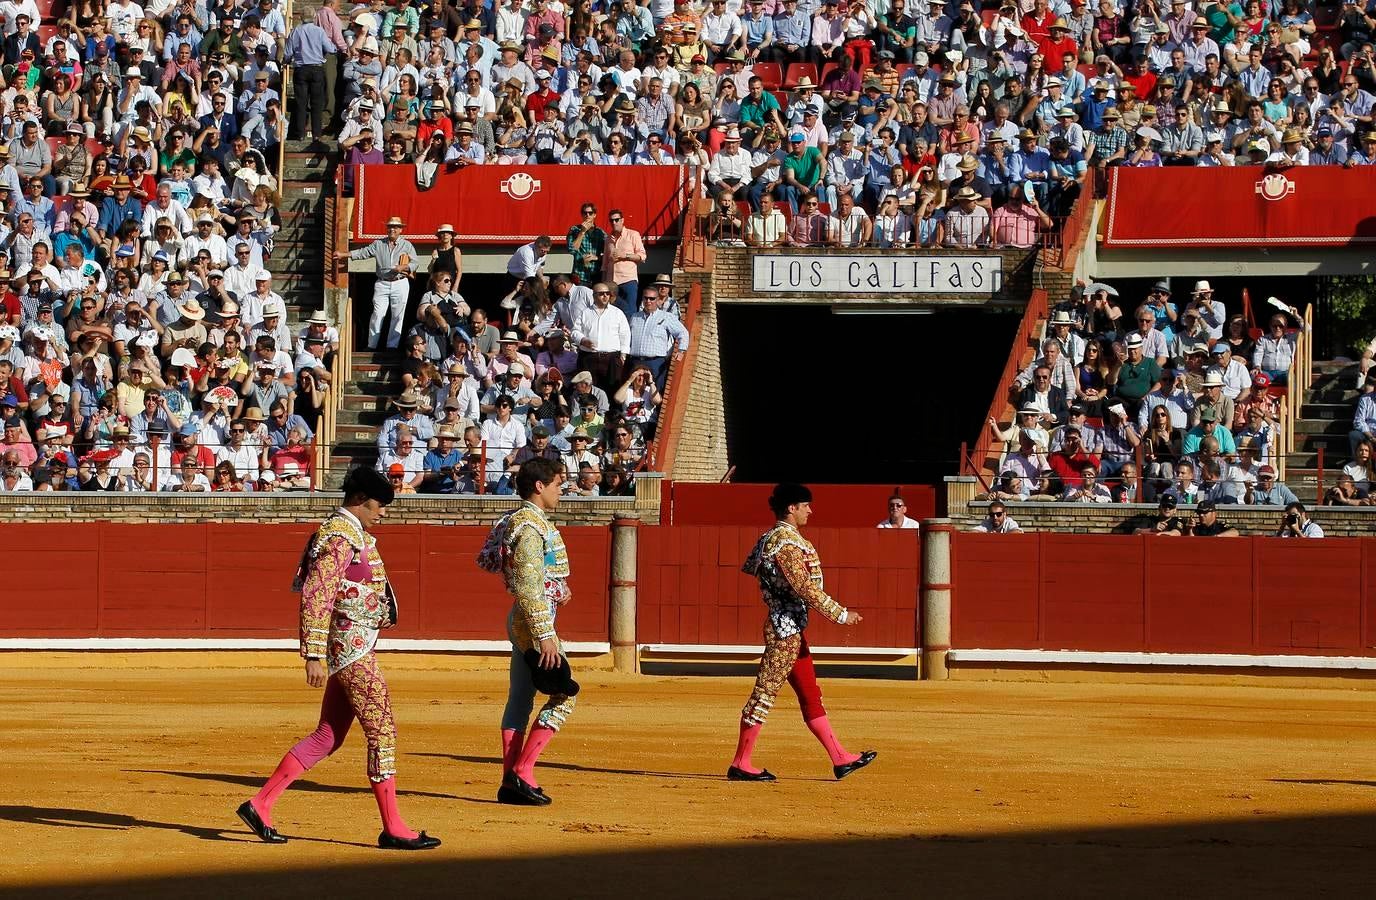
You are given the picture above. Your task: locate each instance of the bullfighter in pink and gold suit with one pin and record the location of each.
(345, 600)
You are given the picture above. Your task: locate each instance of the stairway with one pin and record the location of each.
(371, 386)
(1325, 419)
(298, 253)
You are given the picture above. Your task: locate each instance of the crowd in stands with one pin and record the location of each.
(142, 346)
(569, 367)
(945, 123)
(1177, 383)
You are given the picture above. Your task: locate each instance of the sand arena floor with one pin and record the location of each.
(121, 775)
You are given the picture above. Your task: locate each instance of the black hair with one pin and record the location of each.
(787, 494)
(363, 484)
(535, 470)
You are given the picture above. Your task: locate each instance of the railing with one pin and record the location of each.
(1028, 330)
(289, 14)
(1298, 380)
(1061, 245)
(692, 248)
(660, 454)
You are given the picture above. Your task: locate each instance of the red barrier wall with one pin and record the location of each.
(515, 204)
(234, 580)
(834, 505)
(692, 590)
(1182, 595)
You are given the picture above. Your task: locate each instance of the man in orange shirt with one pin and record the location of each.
(621, 259)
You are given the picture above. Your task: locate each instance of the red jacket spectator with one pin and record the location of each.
(1070, 459)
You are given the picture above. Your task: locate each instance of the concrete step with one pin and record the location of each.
(307, 146)
(1329, 366)
(1321, 410)
(353, 433)
(1316, 427)
(374, 372)
(372, 418)
(363, 402)
(308, 189)
(305, 262)
(377, 357)
(1313, 440)
(370, 388)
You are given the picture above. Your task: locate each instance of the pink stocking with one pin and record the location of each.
(535, 743)
(821, 729)
(512, 741)
(392, 822)
(288, 770)
(336, 715)
(746, 746)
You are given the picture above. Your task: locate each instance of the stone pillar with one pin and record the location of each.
(625, 657)
(936, 596)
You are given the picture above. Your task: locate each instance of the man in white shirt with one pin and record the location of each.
(504, 436)
(241, 279)
(898, 514)
(1237, 381)
(730, 169)
(407, 454)
(245, 457)
(603, 338)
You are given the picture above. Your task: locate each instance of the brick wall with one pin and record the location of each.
(701, 453)
(1083, 518)
(307, 507)
(732, 279)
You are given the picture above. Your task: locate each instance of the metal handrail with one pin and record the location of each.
(1032, 316)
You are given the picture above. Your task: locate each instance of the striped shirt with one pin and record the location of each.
(655, 334)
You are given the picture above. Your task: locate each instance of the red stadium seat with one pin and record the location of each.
(45, 33)
(770, 74)
(782, 97)
(63, 203)
(1089, 70)
(987, 16)
(721, 68)
(796, 71)
(94, 147)
(827, 69)
(53, 144)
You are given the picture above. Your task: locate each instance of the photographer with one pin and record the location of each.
(1297, 524)
(1345, 493)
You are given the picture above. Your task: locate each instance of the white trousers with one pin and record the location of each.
(388, 295)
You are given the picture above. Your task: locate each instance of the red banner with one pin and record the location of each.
(516, 204)
(1248, 206)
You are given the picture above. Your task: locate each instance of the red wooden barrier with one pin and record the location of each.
(834, 505)
(234, 581)
(1172, 595)
(692, 591)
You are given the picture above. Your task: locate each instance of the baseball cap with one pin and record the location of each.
(1206, 506)
(396, 469)
(1167, 501)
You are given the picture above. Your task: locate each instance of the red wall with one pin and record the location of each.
(1183, 595)
(234, 580)
(833, 505)
(692, 590)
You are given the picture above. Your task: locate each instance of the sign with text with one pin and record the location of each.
(902, 274)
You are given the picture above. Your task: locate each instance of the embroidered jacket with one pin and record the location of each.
(344, 593)
(526, 548)
(790, 574)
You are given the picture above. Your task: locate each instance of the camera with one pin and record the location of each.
(1291, 519)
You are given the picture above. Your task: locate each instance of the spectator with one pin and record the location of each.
(1360, 467)
(998, 521)
(655, 336)
(395, 259)
(1049, 400)
(1346, 493)
(624, 253)
(1267, 491)
(587, 243)
(602, 336)
(898, 513)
